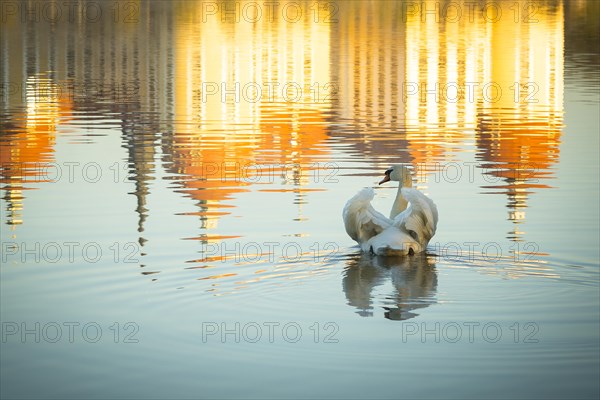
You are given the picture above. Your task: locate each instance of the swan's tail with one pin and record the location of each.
(422, 216)
(393, 242)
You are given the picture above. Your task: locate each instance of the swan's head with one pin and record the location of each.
(398, 173)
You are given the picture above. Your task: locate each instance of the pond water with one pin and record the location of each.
(173, 176)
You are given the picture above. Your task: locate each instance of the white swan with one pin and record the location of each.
(407, 231)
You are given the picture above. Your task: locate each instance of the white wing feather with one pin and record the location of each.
(420, 218)
(361, 220)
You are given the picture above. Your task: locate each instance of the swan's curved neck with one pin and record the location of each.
(400, 202)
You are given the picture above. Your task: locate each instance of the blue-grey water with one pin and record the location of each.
(173, 175)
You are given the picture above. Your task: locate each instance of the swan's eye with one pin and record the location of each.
(389, 171)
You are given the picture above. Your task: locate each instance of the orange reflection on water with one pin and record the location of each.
(247, 95)
(27, 142)
(518, 136)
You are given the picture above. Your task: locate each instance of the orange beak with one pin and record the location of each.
(385, 179)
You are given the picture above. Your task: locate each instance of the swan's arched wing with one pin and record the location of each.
(421, 218)
(361, 220)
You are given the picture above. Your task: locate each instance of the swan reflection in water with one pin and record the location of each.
(413, 280)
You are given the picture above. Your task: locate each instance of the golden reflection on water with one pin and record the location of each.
(27, 143)
(246, 94)
(219, 99)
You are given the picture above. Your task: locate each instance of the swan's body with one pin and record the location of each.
(406, 231)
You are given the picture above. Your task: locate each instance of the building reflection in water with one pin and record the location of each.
(518, 136)
(57, 77)
(251, 102)
(27, 142)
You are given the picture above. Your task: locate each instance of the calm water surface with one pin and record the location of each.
(172, 183)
